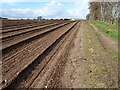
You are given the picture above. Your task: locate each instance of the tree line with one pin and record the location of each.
(104, 11)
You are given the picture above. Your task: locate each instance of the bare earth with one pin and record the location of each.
(73, 56)
(78, 68)
(88, 63)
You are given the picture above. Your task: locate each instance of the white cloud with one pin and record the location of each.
(7, 1)
(80, 10)
(53, 9)
(11, 1)
(18, 13)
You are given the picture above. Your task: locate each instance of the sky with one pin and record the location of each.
(56, 9)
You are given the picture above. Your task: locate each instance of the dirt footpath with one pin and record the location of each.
(101, 63)
(107, 42)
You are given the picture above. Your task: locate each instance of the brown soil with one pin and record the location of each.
(69, 71)
(23, 59)
(72, 56)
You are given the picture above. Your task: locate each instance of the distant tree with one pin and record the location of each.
(3, 18)
(43, 19)
(61, 19)
(87, 17)
(66, 19)
(39, 18)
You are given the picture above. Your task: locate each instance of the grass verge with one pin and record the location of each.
(109, 29)
(100, 65)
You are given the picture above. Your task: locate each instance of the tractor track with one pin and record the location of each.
(53, 80)
(55, 64)
(20, 28)
(24, 62)
(26, 78)
(18, 47)
(16, 26)
(8, 24)
(17, 39)
(8, 35)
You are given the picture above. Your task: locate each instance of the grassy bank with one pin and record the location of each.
(108, 29)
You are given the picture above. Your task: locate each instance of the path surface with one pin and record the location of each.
(107, 41)
(101, 60)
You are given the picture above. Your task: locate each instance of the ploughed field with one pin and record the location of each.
(32, 49)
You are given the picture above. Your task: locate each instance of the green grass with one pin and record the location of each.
(108, 29)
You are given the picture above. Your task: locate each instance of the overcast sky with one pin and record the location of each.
(45, 8)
